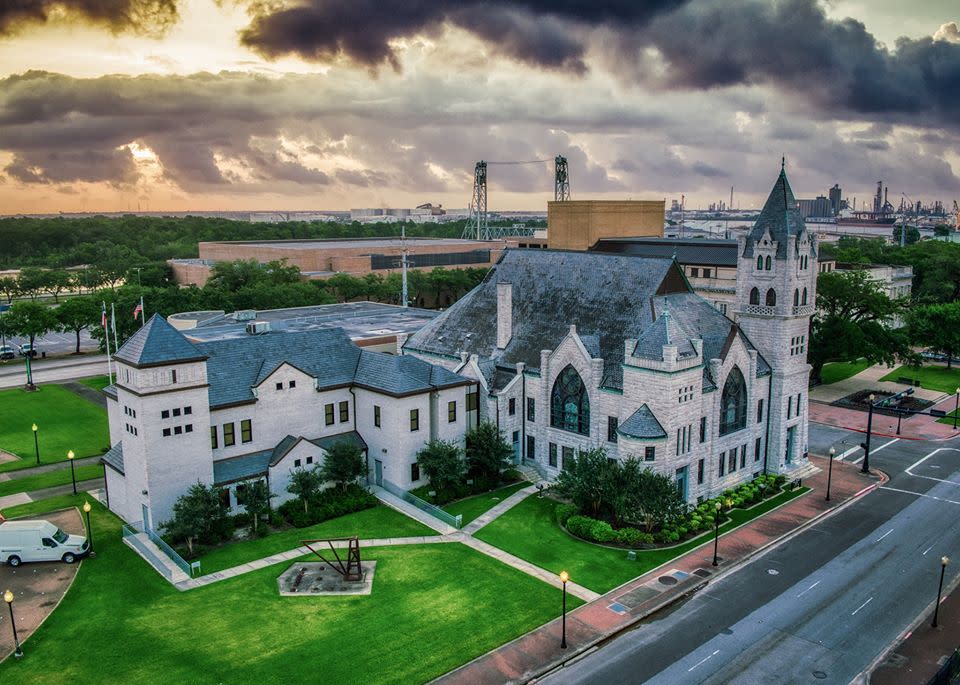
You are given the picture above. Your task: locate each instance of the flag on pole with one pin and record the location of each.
(113, 325)
(137, 310)
(103, 319)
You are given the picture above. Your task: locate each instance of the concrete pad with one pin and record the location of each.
(15, 499)
(317, 579)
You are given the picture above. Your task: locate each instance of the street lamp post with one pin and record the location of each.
(86, 510)
(36, 443)
(716, 534)
(17, 652)
(956, 408)
(73, 473)
(936, 610)
(866, 445)
(830, 471)
(899, 416)
(564, 577)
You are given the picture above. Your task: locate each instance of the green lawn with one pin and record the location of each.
(948, 419)
(66, 422)
(840, 371)
(472, 507)
(530, 532)
(433, 607)
(379, 522)
(95, 382)
(50, 479)
(931, 377)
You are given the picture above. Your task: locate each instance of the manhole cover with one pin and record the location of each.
(726, 631)
(773, 572)
(702, 572)
(667, 580)
(820, 675)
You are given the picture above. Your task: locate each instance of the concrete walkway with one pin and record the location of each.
(46, 468)
(868, 378)
(34, 495)
(87, 393)
(501, 508)
(146, 548)
(404, 507)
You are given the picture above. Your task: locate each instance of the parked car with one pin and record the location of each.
(28, 350)
(6, 352)
(22, 541)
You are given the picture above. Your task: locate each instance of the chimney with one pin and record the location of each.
(504, 314)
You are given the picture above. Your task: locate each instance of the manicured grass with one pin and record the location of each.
(65, 421)
(433, 607)
(472, 507)
(530, 532)
(95, 382)
(931, 377)
(840, 371)
(948, 419)
(379, 522)
(50, 479)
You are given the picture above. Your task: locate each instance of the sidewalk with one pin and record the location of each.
(34, 495)
(403, 507)
(500, 509)
(868, 378)
(920, 427)
(46, 468)
(538, 651)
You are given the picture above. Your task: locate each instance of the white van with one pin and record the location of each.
(39, 541)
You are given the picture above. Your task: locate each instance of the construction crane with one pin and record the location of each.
(478, 227)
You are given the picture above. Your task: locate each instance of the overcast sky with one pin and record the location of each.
(331, 104)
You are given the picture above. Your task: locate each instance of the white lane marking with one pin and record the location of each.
(927, 550)
(809, 589)
(704, 660)
(847, 453)
(861, 606)
(884, 535)
(876, 449)
(920, 494)
(909, 469)
(858, 460)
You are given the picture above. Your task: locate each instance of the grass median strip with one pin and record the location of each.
(530, 531)
(433, 608)
(50, 479)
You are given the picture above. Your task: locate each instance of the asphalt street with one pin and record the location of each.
(13, 373)
(823, 606)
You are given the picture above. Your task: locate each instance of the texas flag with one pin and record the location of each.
(103, 319)
(137, 310)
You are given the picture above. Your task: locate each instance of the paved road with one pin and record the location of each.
(58, 343)
(818, 609)
(13, 373)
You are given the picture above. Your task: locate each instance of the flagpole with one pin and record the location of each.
(106, 337)
(113, 322)
(143, 313)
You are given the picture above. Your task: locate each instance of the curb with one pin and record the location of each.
(748, 559)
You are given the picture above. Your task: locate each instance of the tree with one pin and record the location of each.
(77, 314)
(442, 463)
(853, 320)
(343, 464)
(197, 514)
(937, 326)
(31, 319)
(941, 230)
(587, 480)
(913, 234)
(31, 281)
(56, 281)
(304, 484)
(10, 288)
(255, 499)
(488, 453)
(648, 498)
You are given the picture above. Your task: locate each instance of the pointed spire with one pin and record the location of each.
(157, 343)
(780, 216)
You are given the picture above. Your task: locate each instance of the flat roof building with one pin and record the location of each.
(578, 224)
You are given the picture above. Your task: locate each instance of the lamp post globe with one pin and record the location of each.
(956, 408)
(830, 455)
(17, 651)
(564, 577)
(73, 473)
(716, 533)
(36, 443)
(866, 446)
(944, 560)
(86, 511)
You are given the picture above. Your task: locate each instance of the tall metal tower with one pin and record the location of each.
(478, 228)
(561, 184)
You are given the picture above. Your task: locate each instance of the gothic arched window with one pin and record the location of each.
(759, 263)
(569, 403)
(754, 296)
(771, 298)
(733, 403)
(796, 297)
(803, 300)
(767, 262)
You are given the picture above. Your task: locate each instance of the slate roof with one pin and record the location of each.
(401, 375)
(664, 331)
(642, 424)
(157, 343)
(241, 468)
(608, 297)
(114, 458)
(780, 216)
(605, 296)
(280, 451)
(700, 251)
(328, 441)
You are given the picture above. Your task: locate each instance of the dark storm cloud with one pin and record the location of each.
(143, 16)
(536, 32)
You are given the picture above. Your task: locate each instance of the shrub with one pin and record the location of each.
(563, 513)
(681, 531)
(696, 524)
(327, 504)
(631, 537)
(709, 519)
(601, 531)
(511, 476)
(580, 526)
(674, 537)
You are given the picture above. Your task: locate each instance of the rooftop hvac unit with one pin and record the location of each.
(258, 327)
(245, 315)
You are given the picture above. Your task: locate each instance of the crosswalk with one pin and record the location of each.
(857, 450)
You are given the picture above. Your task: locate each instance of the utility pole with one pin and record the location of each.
(561, 181)
(403, 263)
(682, 200)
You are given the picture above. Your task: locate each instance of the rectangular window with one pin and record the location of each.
(732, 460)
(165, 414)
(703, 429)
(531, 409)
(723, 464)
(187, 429)
(296, 463)
(225, 498)
(700, 472)
(344, 411)
(328, 414)
(173, 376)
(451, 412)
(246, 431)
(291, 384)
(473, 400)
(759, 411)
(706, 273)
(228, 437)
(743, 456)
(376, 415)
(187, 411)
(414, 420)
(756, 450)
(553, 454)
(612, 424)
(166, 432)
(649, 453)
(695, 272)
(414, 471)
(798, 403)
(531, 448)
(176, 411)
(512, 406)
(789, 406)
(177, 430)
(567, 456)
(309, 460)
(279, 385)
(214, 443)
